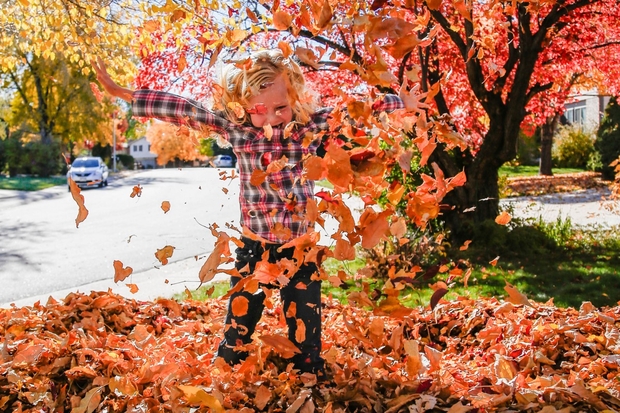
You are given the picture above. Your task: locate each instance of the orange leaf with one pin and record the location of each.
(258, 177)
(121, 273)
(90, 401)
(222, 250)
(163, 254)
(465, 245)
(165, 206)
(503, 218)
(137, 191)
(493, 262)
(315, 168)
(197, 396)
(515, 296)
(300, 332)
(281, 345)
(374, 227)
(239, 306)
(263, 395)
(282, 20)
(344, 251)
(133, 288)
(79, 199)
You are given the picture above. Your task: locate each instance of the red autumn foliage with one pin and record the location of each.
(104, 353)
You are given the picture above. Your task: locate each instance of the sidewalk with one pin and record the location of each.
(166, 281)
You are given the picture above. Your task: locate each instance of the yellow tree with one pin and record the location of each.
(37, 35)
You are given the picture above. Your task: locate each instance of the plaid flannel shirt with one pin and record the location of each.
(282, 197)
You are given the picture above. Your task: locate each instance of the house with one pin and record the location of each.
(587, 110)
(141, 151)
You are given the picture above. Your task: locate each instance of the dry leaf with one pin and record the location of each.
(79, 199)
(515, 296)
(120, 272)
(164, 253)
(165, 206)
(503, 218)
(136, 192)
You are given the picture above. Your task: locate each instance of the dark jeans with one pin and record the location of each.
(239, 330)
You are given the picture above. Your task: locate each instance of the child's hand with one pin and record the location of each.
(108, 84)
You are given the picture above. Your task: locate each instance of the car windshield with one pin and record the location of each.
(85, 163)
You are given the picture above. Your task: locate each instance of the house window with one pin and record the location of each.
(576, 114)
(140, 148)
(135, 148)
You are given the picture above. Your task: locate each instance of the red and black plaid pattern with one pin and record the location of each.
(282, 197)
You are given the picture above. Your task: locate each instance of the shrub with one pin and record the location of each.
(32, 158)
(608, 138)
(572, 147)
(127, 161)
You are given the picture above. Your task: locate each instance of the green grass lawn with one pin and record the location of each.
(26, 183)
(523, 170)
(583, 265)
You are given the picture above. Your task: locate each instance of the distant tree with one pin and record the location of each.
(171, 142)
(608, 138)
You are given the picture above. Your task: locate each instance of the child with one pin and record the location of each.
(278, 116)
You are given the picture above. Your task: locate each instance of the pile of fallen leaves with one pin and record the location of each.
(105, 353)
(539, 184)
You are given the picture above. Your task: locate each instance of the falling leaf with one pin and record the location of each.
(120, 272)
(503, 218)
(164, 253)
(494, 261)
(239, 306)
(437, 295)
(136, 192)
(281, 345)
(165, 206)
(282, 20)
(515, 296)
(465, 245)
(133, 288)
(79, 199)
(268, 131)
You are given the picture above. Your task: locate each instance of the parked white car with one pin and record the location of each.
(88, 171)
(223, 161)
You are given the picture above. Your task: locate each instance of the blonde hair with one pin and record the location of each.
(243, 80)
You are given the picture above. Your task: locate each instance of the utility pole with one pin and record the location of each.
(114, 141)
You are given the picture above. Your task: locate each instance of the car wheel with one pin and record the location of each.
(105, 183)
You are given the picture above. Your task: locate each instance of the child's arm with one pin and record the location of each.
(161, 105)
(388, 103)
(108, 84)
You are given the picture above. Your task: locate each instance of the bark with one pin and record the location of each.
(546, 144)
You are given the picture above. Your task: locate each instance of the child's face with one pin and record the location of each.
(271, 105)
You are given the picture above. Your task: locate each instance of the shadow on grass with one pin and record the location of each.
(569, 271)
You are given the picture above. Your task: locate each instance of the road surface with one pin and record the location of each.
(42, 251)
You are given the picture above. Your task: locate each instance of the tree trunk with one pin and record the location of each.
(546, 144)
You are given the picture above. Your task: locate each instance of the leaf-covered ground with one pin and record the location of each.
(105, 353)
(539, 184)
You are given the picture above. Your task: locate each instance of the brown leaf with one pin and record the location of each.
(282, 345)
(90, 401)
(503, 218)
(79, 199)
(239, 306)
(515, 296)
(437, 295)
(120, 272)
(164, 253)
(136, 192)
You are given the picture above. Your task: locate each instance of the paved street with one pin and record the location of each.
(42, 251)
